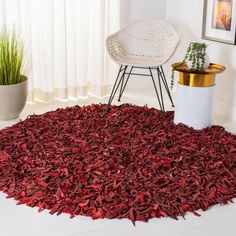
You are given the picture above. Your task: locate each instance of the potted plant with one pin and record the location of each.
(13, 80)
(196, 59)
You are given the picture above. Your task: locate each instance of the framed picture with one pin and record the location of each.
(219, 20)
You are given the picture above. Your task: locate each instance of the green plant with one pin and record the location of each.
(195, 54)
(11, 59)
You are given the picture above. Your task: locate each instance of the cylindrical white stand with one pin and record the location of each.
(194, 106)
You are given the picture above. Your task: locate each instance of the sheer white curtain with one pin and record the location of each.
(66, 42)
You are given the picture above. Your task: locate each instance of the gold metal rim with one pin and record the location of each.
(197, 80)
(212, 69)
(204, 78)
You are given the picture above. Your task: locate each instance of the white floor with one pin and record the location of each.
(25, 221)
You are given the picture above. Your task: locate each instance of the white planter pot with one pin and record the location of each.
(12, 100)
(206, 63)
(194, 106)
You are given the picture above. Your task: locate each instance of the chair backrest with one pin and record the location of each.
(152, 40)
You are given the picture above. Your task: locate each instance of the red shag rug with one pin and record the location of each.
(129, 163)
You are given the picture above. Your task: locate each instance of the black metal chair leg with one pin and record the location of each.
(160, 88)
(121, 82)
(150, 69)
(118, 75)
(116, 86)
(123, 89)
(163, 77)
(166, 85)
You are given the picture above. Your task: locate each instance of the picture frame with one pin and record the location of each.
(219, 21)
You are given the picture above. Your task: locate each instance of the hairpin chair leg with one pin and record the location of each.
(116, 85)
(163, 77)
(160, 88)
(122, 88)
(150, 69)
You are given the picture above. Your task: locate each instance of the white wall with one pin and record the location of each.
(186, 16)
(142, 9)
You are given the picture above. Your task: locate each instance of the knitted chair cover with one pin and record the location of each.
(146, 43)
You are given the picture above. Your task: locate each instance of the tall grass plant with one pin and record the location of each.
(11, 59)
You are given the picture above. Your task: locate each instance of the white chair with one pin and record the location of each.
(143, 44)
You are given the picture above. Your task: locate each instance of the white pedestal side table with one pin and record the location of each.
(194, 98)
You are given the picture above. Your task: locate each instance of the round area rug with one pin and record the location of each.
(130, 163)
